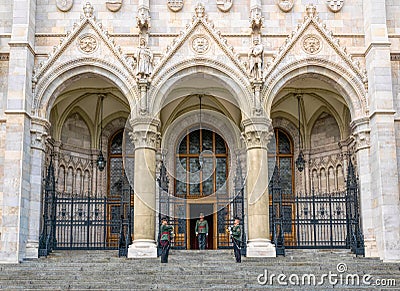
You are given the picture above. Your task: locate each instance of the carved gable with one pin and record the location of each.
(313, 42)
(88, 42)
(200, 40)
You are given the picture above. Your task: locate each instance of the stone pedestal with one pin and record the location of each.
(260, 248)
(142, 248)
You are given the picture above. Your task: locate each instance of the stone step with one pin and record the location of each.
(188, 270)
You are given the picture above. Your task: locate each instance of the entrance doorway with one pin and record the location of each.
(195, 210)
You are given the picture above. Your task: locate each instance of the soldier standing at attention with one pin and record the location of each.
(202, 231)
(166, 234)
(236, 234)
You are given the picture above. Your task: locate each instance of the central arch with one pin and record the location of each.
(235, 87)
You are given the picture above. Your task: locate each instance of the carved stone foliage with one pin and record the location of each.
(145, 139)
(335, 5)
(64, 5)
(312, 44)
(285, 5)
(87, 43)
(175, 5)
(88, 10)
(114, 6)
(224, 5)
(200, 44)
(257, 139)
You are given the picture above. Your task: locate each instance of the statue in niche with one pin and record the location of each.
(256, 60)
(144, 59)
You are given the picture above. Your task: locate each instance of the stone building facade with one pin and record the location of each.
(316, 77)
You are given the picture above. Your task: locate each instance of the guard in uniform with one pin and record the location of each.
(202, 231)
(165, 236)
(236, 234)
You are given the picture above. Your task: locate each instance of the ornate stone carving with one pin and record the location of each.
(285, 5)
(224, 5)
(257, 139)
(256, 19)
(143, 19)
(175, 5)
(362, 140)
(335, 5)
(312, 44)
(114, 6)
(311, 10)
(88, 10)
(87, 43)
(200, 10)
(145, 139)
(200, 44)
(256, 60)
(64, 5)
(144, 60)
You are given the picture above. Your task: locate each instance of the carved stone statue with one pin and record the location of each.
(256, 60)
(144, 59)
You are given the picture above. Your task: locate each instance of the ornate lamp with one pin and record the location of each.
(101, 162)
(300, 162)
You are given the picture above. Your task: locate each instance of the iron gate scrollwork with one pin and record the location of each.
(327, 220)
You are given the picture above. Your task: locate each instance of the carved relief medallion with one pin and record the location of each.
(335, 5)
(175, 5)
(285, 5)
(224, 5)
(114, 6)
(87, 43)
(64, 5)
(312, 44)
(200, 44)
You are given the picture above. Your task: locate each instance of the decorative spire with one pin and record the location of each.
(311, 10)
(88, 10)
(200, 10)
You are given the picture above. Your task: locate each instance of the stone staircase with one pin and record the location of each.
(198, 270)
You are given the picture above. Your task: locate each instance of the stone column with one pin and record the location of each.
(16, 191)
(145, 136)
(39, 130)
(361, 132)
(257, 132)
(384, 185)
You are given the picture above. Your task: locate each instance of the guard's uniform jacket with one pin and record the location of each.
(202, 230)
(166, 234)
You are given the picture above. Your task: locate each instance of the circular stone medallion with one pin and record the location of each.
(200, 44)
(87, 43)
(64, 5)
(312, 44)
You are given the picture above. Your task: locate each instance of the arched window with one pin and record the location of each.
(201, 164)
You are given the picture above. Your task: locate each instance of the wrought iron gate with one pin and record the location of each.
(328, 220)
(175, 208)
(84, 222)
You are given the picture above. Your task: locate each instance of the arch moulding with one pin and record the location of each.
(57, 79)
(339, 78)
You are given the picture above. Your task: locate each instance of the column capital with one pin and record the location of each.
(39, 131)
(361, 133)
(144, 133)
(257, 132)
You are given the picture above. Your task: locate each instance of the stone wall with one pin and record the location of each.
(6, 8)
